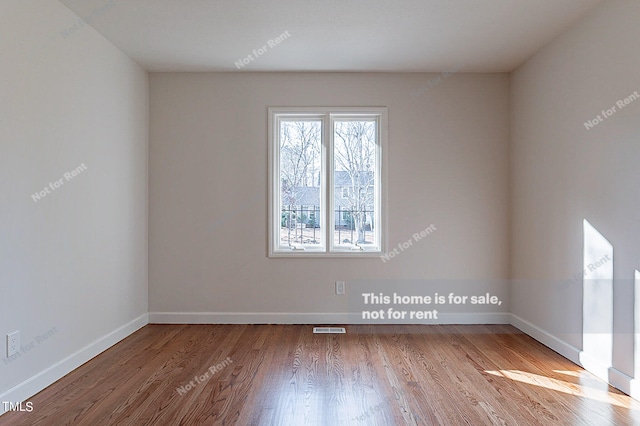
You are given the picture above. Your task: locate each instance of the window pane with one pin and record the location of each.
(300, 179)
(354, 179)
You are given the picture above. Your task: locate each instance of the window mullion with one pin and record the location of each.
(284, 168)
(327, 180)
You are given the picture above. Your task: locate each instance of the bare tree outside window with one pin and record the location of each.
(326, 177)
(354, 168)
(299, 157)
(300, 143)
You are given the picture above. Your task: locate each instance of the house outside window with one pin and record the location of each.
(326, 175)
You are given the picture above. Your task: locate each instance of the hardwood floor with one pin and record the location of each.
(285, 375)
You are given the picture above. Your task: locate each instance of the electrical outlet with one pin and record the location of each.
(340, 287)
(13, 343)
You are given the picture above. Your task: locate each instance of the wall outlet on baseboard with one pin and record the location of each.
(340, 287)
(13, 343)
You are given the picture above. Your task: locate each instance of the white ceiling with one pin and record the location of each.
(331, 35)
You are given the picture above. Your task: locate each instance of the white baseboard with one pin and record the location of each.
(481, 318)
(623, 382)
(613, 376)
(566, 350)
(36, 383)
(248, 318)
(634, 385)
(313, 318)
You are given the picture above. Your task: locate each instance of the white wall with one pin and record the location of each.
(447, 166)
(563, 173)
(73, 265)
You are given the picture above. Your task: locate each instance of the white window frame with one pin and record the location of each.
(327, 116)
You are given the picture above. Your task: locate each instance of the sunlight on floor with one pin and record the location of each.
(602, 395)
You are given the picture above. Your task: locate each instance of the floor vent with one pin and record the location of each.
(329, 330)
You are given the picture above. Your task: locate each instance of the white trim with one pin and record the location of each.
(327, 116)
(621, 381)
(322, 254)
(380, 120)
(478, 318)
(273, 192)
(594, 366)
(634, 385)
(271, 136)
(310, 318)
(447, 318)
(247, 318)
(36, 383)
(552, 342)
(608, 374)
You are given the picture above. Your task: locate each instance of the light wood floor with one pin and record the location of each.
(285, 375)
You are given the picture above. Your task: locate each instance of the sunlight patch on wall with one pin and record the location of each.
(636, 325)
(597, 302)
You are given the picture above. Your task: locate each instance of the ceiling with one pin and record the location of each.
(331, 35)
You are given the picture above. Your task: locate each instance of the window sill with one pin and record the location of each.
(365, 254)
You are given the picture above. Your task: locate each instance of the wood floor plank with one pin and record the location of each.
(526, 372)
(533, 408)
(286, 375)
(460, 381)
(524, 355)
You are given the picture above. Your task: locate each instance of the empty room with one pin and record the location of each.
(295, 212)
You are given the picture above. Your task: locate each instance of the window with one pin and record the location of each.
(326, 181)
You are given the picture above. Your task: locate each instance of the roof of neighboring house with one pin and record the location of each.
(342, 178)
(310, 195)
(306, 196)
